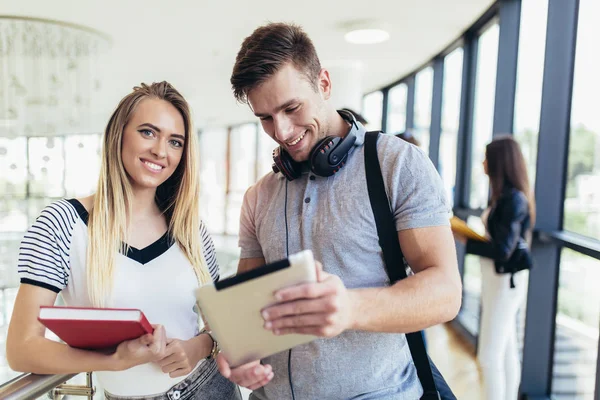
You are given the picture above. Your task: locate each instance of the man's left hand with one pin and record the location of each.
(181, 356)
(323, 308)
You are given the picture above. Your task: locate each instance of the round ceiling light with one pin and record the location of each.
(367, 36)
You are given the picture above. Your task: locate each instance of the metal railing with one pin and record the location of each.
(32, 386)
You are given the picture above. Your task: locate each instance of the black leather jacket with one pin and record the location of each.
(508, 223)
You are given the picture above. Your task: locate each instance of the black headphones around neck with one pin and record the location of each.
(325, 159)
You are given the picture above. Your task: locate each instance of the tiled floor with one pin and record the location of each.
(456, 362)
(575, 351)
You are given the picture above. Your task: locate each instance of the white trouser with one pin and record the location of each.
(498, 351)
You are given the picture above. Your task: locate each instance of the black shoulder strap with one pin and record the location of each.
(392, 255)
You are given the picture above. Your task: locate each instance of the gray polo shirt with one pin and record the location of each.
(333, 217)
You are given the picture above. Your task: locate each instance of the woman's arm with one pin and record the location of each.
(27, 350)
(479, 248)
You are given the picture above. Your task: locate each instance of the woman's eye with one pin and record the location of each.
(146, 132)
(176, 143)
(290, 110)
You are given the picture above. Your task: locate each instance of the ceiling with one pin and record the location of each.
(193, 43)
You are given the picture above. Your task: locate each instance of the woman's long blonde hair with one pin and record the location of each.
(178, 197)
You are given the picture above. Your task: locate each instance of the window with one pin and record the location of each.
(242, 158)
(471, 304)
(483, 114)
(80, 151)
(13, 164)
(396, 109)
(34, 207)
(451, 96)
(213, 178)
(423, 95)
(577, 321)
(13, 215)
(266, 145)
(46, 166)
(373, 109)
(9, 255)
(582, 200)
(530, 74)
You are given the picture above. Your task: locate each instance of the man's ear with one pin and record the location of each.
(324, 84)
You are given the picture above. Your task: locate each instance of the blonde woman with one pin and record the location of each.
(138, 242)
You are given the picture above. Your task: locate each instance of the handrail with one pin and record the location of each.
(467, 212)
(580, 243)
(574, 241)
(31, 386)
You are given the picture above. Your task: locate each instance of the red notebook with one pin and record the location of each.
(94, 328)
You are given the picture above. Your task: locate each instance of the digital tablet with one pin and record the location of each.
(232, 308)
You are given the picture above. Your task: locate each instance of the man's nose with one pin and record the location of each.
(284, 129)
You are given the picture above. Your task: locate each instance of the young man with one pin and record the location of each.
(361, 319)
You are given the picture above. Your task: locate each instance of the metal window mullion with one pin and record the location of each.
(29, 173)
(461, 185)
(553, 146)
(410, 102)
(465, 125)
(597, 392)
(435, 129)
(384, 108)
(506, 72)
(227, 178)
(64, 160)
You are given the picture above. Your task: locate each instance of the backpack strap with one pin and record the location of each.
(393, 257)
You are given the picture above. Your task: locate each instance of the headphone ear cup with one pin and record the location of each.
(330, 154)
(284, 163)
(319, 157)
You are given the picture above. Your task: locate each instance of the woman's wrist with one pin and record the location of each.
(213, 349)
(203, 344)
(117, 363)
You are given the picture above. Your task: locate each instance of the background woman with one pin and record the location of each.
(509, 220)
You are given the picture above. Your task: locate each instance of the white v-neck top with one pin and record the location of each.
(159, 280)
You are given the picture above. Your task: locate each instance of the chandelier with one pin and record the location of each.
(50, 77)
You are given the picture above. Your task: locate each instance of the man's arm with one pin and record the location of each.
(248, 264)
(429, 297)
(327, 308)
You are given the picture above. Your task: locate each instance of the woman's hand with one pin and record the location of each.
(181, 356)
(148, 348)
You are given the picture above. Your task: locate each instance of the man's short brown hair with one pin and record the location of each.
(269, 48)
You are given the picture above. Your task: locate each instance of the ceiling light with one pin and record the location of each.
(367, 36)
